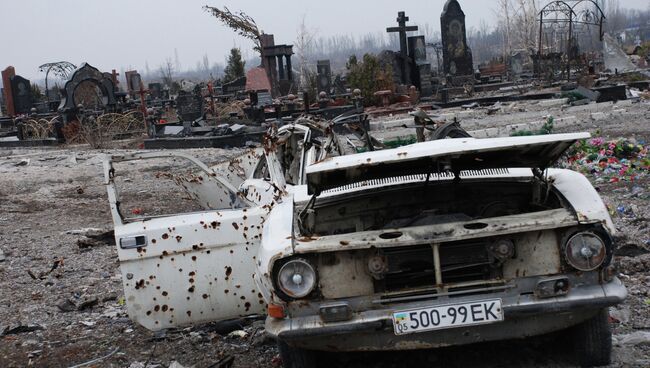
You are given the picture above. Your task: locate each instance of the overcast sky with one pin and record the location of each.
(123, 34)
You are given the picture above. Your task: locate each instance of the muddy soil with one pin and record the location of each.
(48, 198)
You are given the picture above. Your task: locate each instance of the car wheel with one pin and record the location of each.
(593, 341)
(296, 357)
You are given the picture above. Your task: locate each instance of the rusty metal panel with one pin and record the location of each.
(344, 275)
(537, 254)
(440, 233)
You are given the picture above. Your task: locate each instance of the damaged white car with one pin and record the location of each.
(440, 243)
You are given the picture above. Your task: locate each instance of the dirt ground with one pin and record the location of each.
(49, 198)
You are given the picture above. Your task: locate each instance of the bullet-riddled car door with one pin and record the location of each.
(183, 269)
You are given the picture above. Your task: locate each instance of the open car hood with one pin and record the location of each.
(447, 155)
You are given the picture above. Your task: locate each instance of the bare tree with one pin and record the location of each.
(304, 43)
(206, 63)
(239, 22)
(167, 72)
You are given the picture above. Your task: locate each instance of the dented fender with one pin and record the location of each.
(582, 196)
(277, 243)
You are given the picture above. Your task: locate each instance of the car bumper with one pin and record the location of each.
(524, 316)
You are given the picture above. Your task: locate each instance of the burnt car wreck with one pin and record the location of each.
(440, 243)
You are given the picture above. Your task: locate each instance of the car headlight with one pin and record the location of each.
(297, 278)
(585, 251)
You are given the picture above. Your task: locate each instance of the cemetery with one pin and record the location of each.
(561, 68)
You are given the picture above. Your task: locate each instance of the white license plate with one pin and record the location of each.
(447, 316)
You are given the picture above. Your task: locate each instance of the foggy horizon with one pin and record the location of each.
(125, 35)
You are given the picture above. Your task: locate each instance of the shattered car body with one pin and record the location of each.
(439, 243)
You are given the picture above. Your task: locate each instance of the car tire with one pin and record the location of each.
(296, 357)
(593, 341)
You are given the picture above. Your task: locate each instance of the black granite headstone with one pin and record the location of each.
(324, 71)
(421, 69)
(22, 94)
(456, 53)
(238, 85)
(155, 90)
(189, 106)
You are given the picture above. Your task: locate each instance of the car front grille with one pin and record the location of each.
(414, 267)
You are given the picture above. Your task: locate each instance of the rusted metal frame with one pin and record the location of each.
(111, 189)
(113, 196)
(436, 263)
(456, 231)
(448, 293)
(194, 160)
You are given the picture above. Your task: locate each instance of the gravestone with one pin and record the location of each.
(87, 73)
(457, 55)
(340, 85)
(264, 99)
(7, 74)
(135, 82)
(155, 90)
(404, 62)
(189, 106)
(238, 85)
(324, 70)
(22, 94)
(421, 70)
(518, 63)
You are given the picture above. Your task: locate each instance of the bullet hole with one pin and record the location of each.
(261, 301)
(189, 313)
(191, 289)
(194, 258)
(246, 228)
(165, 236)
(156, 308)
(139, 284)
(245, 218)
(207, 251)
(191, 281)
(242, 297)
(234, 224)
(153, 241)
(228, 270)
(205, 296)
(232, 251)
(238, 286)
(192, 273)
(157, 287)
(164, 293)
(226, 291)
(247, 306)
(165, 308)
(178, 238)
(214, 224)
(195, 247)
(148, 313)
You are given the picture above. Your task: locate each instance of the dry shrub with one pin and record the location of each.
(100, 131)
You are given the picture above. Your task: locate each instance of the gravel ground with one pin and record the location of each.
(46, 196)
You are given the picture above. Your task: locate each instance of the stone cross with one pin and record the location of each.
(402, 29)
